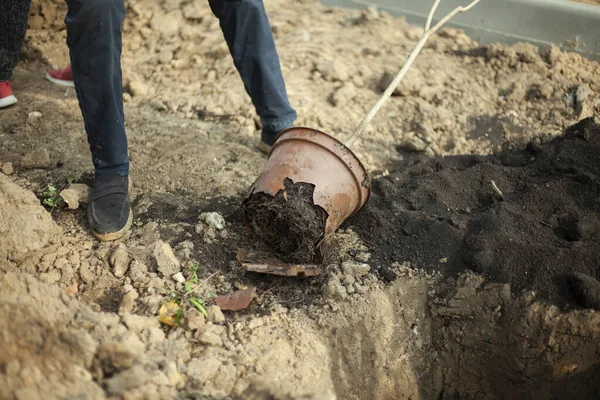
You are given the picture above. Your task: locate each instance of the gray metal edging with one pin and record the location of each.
(570, 25)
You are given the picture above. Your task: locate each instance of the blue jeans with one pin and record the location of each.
(94, 40)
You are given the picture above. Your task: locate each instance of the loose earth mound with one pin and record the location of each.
(535, 231)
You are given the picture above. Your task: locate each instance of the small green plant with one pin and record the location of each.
(188, 295)
(199, 304)
(51, 196)
(179, 316)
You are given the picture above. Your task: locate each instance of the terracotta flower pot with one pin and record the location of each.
(342, 185)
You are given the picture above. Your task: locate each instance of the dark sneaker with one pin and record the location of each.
(268, 139)
(109, 213)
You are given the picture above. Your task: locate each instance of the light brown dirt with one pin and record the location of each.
(77, 322)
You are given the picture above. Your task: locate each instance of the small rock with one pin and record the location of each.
(7, 168)
(168, 264)
(34, 116)
(333, 70)
(195, 320)
(178, 277)
(76, 193)
(119, 260)
(39, 158)
(213, 219)
(215, 315)
(138, 88)
(354, 269)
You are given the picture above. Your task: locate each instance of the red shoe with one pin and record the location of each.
(7, 98)
(63, 77)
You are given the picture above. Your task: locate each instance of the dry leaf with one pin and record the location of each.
(237, 300)
(169, 313)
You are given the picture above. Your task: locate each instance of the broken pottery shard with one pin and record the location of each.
(263, 265)
(237, 300)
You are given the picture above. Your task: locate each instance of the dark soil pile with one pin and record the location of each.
(289, 223)
(541, 228)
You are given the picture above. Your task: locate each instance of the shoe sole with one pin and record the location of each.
(60, 82)
(8, 101)
(107, 237)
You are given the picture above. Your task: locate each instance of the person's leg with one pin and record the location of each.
(248, 34)
(13, 25)
(94, 40)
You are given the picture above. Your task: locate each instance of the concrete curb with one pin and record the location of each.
(570, 25)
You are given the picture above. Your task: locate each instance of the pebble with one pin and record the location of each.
(178, 277)
(34, 116)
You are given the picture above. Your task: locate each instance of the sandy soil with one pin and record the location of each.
(393, 315)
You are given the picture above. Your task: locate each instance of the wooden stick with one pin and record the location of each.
(409, 61)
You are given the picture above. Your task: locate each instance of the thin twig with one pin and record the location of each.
(409, 61)
(198, 285)
(430, 16)
(496, 189)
